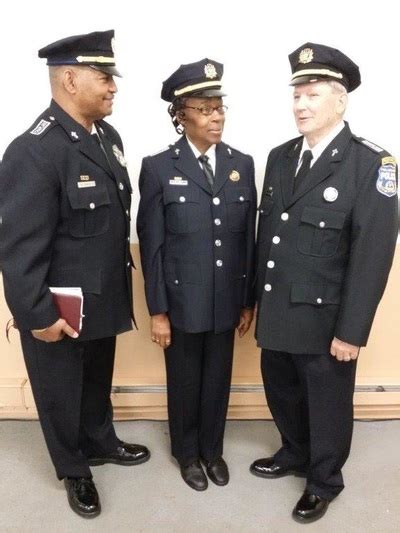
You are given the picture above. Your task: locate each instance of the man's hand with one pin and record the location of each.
(246, 318)
(161, 330)
(343, 351)
(55, 332)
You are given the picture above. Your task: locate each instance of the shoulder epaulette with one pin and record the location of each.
(372, 146)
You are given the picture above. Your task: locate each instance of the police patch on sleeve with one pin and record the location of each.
(386, 182)
(39, 129)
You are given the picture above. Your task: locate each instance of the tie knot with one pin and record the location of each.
(307, 156)
(203, 158)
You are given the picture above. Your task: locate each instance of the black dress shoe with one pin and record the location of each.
(126, 454)
(309, 508)
(217, 471)
(82, 496)
(267, 467)
(194, 476)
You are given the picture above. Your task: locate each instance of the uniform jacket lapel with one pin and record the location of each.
(224, 166)
(81, 137)
(287, 171)
(186, 162)
(325, 164)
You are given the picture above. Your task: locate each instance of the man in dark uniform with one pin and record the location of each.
(64, 201)
(326, 239)
(196, 231)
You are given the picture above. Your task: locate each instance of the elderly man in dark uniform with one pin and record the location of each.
(65, 201)
(196, 231)
(326, 239)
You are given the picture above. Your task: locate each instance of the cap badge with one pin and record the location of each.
(210, 71)
(119, 155)
(306, 55)
(234, 175)
(331, 194)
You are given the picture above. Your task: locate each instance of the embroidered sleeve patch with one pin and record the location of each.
(386, 182)
(39, 129)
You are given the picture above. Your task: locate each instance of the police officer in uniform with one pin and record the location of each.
(65, 201)
(326, 239)
(196, 231)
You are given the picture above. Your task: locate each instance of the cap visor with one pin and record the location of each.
(108, 70)
(307, 79)
(207, 93)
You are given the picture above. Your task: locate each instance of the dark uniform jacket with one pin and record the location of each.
(324, 253)
(65, 222)
(197, 246)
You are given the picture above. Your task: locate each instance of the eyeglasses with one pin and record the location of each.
(208, 110)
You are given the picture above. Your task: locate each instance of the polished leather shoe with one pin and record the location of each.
(217, 471)
(82, 496)
(267, 467)
(309, 508)
(126, 454)
(194, 476)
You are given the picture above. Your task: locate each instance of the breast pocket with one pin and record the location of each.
(90, 214)
(320, 231)
(237, 206)
(182, 209)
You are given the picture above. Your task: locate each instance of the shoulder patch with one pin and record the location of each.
(386, 182)
(374, 147)
(40, 127)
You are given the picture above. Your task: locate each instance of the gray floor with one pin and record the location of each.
(153, 497)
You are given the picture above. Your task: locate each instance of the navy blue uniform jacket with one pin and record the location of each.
(197, 246)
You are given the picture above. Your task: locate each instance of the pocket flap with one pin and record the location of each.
(315, 294)
(237, 194)
(323, 218)
(180, 195)
(87, 198)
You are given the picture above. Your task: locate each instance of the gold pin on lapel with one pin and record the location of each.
(84, 177)
(234, 175)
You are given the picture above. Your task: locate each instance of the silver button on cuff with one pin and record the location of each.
(268, 287)
(271, 264)
(92, 205)
(285, 216)
(219, 263)
(217, 222)
(216, 201)
(276, 239)
(218, 243)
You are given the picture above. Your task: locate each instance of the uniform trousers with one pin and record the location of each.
(71, 384)
(199, 369)
(311, 400)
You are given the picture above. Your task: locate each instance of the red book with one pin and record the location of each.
(69, 302)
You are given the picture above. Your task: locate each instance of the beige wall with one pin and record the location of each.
(139, 380)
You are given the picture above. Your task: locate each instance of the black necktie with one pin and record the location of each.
(304, 168)
(207, 168)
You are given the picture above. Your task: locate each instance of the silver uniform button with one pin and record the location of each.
(276, 239)
(127, 212)
(217, 222)
(322, 224)
(121, 187)
(219, 263)
(92, 205)
(319, 300)
(128, 239)
(285, 216)
(51, 118)
(218, 242)
(268, 287)
(128, 264)
(182, 199)
(216, 201)
(241, 198)
(271, 264)
(176, 282)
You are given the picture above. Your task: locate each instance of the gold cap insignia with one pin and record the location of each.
(234, 175)
(210, 71)
(306, 55)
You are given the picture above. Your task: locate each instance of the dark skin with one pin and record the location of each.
(203, 131)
